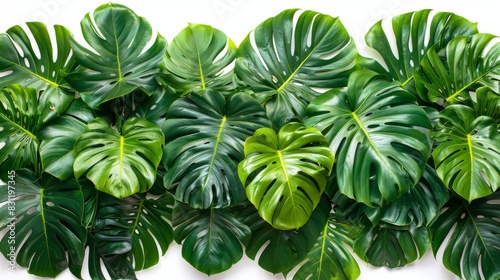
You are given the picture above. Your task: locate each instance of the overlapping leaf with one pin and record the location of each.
(211, 238)
(121, 60)
(197, 59)
(49, 234)
(119, 164)
(468, 155)
(473, 248)
(373, 127)
(285, 174)
(288, 57)
(42, 65)
(205, 136)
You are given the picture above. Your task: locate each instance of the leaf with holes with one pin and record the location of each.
(280, 250)
(19, 125)
(288, 57)
(391, 247)
(468, 153)
(42, 66)
(472, 250)
(149, 223)
(198, 59)
(119, 164)
(330, 258)
(415, 33)
(205, 136)
(467, 63)
(48, 216)
(286, 173)
(59, 136)
(153, 108)
(211, 239)
(119, 61)
(374, 128)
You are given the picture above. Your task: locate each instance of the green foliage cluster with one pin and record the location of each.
(290, 148)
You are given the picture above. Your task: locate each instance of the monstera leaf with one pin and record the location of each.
(415, 34)
(121, 59)
(47, 219)
(19, 125)
(329, 258)
(42, 66)
(205, 136)
(280, 250)
(392, 247)
(418, 207)
(119, 164)
(468, 62)
(487, 104)
(468, 155)
(153, 108)
(149, 223)
(197, 59)
(373, 127)
(472, 250)
(59, 136)
(211, 238)
(285, 174)
(288, 57)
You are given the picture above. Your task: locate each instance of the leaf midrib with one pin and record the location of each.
(17, 64)
(287, 177)
(216, 148)
(458, 92)
(44, 222)
(27, 132)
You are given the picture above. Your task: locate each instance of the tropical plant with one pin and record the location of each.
(291, 148)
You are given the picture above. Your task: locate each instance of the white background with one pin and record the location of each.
(236, 18)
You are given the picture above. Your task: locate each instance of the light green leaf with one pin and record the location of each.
(467, 157)
(291, 57)
(198, 59)
(119, 164)
(286, 173)
(119, 61)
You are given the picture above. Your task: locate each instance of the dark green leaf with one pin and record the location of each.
(153, 108)
(19, 125)
(415, 33)
(468, 153)
(119, 164)
(42, 66)
(473, 248)
(374, 128)
(119, 61)
(49, 235)
(211, 238)
(280, 250)
(285, 174)
(330, 257)
(487, 104)
(205, 136)
(288, 57)
(196, 60)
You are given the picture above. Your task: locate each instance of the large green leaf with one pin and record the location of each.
(121, 59)
(110, 240)
(392, 247)
(374, 128)
(469, 235)
(205, 136)
(330, 257)
(487, 104)
(288, 57)
(197, 59)
(468, 153)
(42, 66)
(280, 250)
(467, 63)
(286, 173)
(119, 164)
(211, 238)
(418, 207)
(19, 125)
(149, 223)
(49, 236)
(415, 33)
(59, 136)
